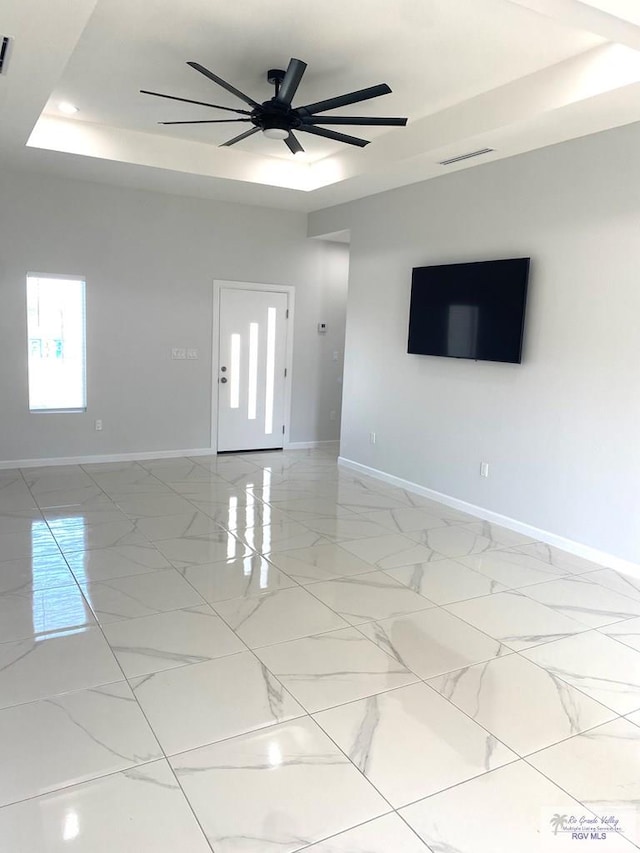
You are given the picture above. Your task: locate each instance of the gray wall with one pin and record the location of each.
(561, 432)
(150, 261)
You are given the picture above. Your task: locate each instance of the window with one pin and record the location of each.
(56, 341)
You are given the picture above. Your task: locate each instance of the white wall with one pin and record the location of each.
(561, 431)
(150, 261)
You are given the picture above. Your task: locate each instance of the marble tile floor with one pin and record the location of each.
(265, 652)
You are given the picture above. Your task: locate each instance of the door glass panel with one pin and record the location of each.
(271, 370)
(253, 370)
(234, 393)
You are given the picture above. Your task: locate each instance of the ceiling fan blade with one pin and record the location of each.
(293, 144)
(189, 101)
(331, 134)
(345, 100)
(239, 138)
(370, 121)
(207, 121)
(223, 83)
(291, 81)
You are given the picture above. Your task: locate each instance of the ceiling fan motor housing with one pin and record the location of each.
(273, 115)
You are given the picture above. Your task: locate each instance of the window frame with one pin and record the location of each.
(59, 277)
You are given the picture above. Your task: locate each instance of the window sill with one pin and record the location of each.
(57, 411)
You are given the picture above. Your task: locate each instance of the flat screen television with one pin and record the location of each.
(473, 310)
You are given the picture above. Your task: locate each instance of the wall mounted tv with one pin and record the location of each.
(473, 310)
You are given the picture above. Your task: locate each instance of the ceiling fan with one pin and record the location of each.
(278, 119)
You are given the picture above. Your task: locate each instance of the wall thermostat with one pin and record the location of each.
(322, 328)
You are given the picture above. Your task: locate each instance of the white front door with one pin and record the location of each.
(251, 369)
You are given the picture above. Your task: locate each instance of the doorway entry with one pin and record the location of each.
(251, 365)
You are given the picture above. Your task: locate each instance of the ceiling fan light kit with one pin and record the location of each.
(278, 119)
(275, 132)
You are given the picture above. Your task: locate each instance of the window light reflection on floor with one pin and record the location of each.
(57, 612)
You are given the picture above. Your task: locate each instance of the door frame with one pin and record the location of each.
(218, 286)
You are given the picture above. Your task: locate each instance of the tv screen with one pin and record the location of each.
(474, 310)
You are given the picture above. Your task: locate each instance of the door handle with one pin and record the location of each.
(223, 380)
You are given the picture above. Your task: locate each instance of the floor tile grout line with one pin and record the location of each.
(562, 740)
(63, 693)
(155, 736)
(346, 579)
(429, 609)
(482, 776)
(615, 637)
(568, 683)
(415, 832)
(511, 748)
(351, 828)
(352, 764)
(503, 642)
(66, 787)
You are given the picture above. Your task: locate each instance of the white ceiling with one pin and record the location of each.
(510, 75)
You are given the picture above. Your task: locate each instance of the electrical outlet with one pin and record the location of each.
(484, 469)
(336, 355)
(332, 415)
(98, 425)
(372, 438)
(178, 352)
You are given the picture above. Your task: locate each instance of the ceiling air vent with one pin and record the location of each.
(5, 43)
(465, 156)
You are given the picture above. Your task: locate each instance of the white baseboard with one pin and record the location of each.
(577, 548)
(146, 454)
(108, 457)
(310, 445)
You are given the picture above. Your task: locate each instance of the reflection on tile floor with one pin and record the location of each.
(265, 652)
